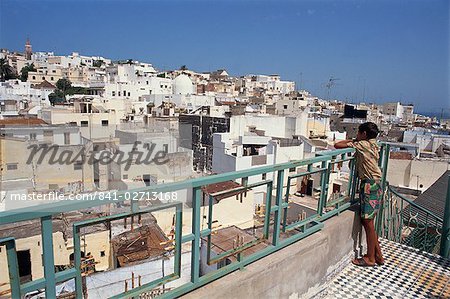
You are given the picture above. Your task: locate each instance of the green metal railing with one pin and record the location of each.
(406, 222)
(277, 232)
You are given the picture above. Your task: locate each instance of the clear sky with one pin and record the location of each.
(380, 50)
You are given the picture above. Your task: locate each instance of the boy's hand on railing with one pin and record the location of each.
(342, 143)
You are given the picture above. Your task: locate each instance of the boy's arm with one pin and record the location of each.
(343, 144)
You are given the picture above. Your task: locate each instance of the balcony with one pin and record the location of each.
(323, 238)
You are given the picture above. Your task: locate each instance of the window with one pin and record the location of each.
(43, 78)
(24, 263)
(113, 93)
(292, 169)
(118, 93)
(104, 122)
(125, 176)
(264, 176)
(32, 136)
(54, 71)
(51, 78)
(284, 106)
(48, 136)
(166, 148)
(129, 93)
(84, 123)
(11, 166)
(53, 186)
(66, 138)
(78, 165)
(34, 77)
(102, 253)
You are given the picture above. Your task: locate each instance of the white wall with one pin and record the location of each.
(110, 283)
(410, 173)
(19, 91)
(275, 126)
(57, 131)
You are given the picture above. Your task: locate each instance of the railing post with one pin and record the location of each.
(353, 178)
(195, 255)
(323, 187)
(268, 210)
(178, 236)
(77, 262)
(445, 238)
(384, 168)
(279, 201)
(286, 202)
(13, 266)
(48, 257)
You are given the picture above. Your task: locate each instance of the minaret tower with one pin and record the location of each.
(28, 50)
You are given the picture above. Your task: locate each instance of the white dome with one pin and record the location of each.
(182, 85)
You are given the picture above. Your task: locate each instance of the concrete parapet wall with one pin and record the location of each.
(300, 270)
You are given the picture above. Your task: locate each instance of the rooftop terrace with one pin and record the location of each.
(325, 235)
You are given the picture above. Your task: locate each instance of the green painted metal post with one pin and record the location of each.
(134, 205)
(178, 236)
(285, 209)
(400, 228)
(387, 149)
(380, 153)
(277, 215)
(268, 210)
(445, 238)
(210, 219)
(48, 257)
(350, 178)
(77, 262)
(323, 187)
(385, 158)
(13, 266)
(354, 182)
(195, 255)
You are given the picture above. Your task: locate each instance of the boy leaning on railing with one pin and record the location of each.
(370, 193)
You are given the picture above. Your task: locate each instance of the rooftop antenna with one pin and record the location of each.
(364, 91)
(300, 82)
(330, 84)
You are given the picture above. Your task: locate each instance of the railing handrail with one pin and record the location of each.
(415, 205)
(49, 209)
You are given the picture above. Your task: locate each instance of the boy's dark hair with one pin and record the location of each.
(370, 128)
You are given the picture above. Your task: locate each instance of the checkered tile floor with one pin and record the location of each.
(407, 273)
